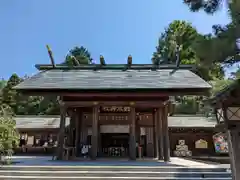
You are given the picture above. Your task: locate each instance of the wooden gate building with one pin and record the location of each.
(100, 96)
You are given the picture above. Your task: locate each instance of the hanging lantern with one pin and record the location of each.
(228, 114)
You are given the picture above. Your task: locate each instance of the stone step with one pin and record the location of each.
(3, 177)
(113, 168)
(116, 173)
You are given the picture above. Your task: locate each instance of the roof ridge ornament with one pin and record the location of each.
(102, 61)
(75, 60)
(161, 59)
(129, 61)
(51, 56)
(178, 60)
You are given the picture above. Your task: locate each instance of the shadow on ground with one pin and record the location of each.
(47, 161)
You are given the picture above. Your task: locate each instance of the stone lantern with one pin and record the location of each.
(227, 110)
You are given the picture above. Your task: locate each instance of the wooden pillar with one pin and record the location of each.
(78, 119)
(231, 154)
(132, 135)
(61, 133)
(72, 126)
(149, 141)
(94, 139)
(138, 140)
(69, 128)
(99, 141)
(138, 134)
(84, 129)
(234, 148)
(165, 134)
(155, 133)
(160, 135)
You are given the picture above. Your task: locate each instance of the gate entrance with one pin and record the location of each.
(115, 144)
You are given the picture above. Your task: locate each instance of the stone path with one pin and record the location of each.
(175, 161)
(178, 169)
(192, 163)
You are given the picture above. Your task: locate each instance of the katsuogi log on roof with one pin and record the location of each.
(94, 77)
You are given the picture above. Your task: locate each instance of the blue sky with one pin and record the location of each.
(112, 28)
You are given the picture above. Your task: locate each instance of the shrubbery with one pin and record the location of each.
(9, 136)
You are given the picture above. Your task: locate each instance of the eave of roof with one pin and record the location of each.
(114, 77)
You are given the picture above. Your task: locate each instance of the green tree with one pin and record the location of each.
(79, 54)
(2, 83)
(221, 47)
(34, 105)
(9, 95)
(181, 34)
(178, 33)
(49, 105)
(9, 136)
(20, 105)
(209, 6)
(219, 84)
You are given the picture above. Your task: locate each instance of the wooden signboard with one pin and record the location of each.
(115, 109)
(30, 140)
(201, 144)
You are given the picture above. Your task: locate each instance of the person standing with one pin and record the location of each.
(84, 151)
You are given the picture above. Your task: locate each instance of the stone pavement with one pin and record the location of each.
(192, 163)
(177, 169)
(175, 161)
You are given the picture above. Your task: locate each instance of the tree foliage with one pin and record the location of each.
(184, 35)
(209, 6)
(9, 136)
(195, 48)
(178, 32)
(2, 84)
(221, 46)
(37, 105)
(9, 95)
(79, 54)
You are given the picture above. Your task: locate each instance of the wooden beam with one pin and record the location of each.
(131, 93)
(149, 104)
(115, 94)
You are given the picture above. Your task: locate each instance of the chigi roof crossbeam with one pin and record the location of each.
(104, 66)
